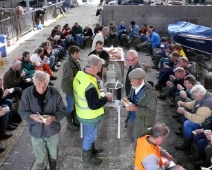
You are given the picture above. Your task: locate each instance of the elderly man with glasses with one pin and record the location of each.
(133, 61)
(200, 108)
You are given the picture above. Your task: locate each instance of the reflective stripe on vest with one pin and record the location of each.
(80, 84)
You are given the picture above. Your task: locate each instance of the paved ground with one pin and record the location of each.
(118, 154)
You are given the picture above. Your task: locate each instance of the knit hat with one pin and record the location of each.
(137, 73)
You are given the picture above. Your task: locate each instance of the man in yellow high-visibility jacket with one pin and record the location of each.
(89, 107)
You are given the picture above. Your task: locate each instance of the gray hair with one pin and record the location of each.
(133, 52)
(15, 63)
(198, 89)
(41, 76)
(105, 29)
(160, 129)
(94, 60)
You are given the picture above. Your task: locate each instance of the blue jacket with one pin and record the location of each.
(154, 39)
(135, 31)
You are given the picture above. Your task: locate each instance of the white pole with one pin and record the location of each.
(27, 5)
(45, 2)
(184, 2)
(166, 2)
(56, 1)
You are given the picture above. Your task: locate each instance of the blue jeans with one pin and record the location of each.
(52, 61)
(70, 103)
(68, 41)
(79, 41)
(188, 127)
(90, 136)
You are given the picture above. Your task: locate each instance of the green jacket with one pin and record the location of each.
(70, 69)
(146, 112)
(76, 30)
(28, 67)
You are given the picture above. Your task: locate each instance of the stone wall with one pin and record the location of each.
(158, 16)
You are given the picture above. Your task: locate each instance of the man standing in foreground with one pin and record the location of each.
(44, 100)
(148, 154)
(89, 107)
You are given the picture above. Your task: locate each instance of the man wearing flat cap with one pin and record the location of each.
(142, 112)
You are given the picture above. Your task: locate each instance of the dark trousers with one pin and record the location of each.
(3, 122)
(201, 142)
(164, 76)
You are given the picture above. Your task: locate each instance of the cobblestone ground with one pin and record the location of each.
(118, 153)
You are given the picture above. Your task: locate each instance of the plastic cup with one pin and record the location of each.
(102, 94)
(44, 117)
(28, 79)
(207, 131)
(117, 102)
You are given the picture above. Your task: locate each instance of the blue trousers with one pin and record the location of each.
(90, 136)
(79, 41)
(188, 127)
(201, 142)
(70, 103)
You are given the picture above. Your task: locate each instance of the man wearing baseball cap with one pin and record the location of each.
(142, 111)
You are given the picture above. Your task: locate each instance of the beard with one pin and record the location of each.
(98, 52)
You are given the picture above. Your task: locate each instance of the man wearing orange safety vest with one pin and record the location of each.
(148, 154)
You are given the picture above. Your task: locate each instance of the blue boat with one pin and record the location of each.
(195, 37)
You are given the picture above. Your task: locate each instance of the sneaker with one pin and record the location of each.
(55, 68)
(53, 78)
(58, 64)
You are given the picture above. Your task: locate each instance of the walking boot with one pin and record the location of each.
(186, 144)
(70, 125)
(95, 151)
(89, 160)
(52, 165)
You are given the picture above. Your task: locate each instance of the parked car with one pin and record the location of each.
(132, 2)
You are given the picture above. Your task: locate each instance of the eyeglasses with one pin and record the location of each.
(131, 60)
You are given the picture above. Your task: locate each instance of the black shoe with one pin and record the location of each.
(13, 123)
(2, 149)
(158, 87)
(153, 67)
(5, 136)
(51, 84)
(136, 48)
(176, 115)
(179, 133)
(10, 127)
(89, 160)
(53, 78)
(178, 120)
(171, 105)
(96, 151)
(162, 97)
(54, 69)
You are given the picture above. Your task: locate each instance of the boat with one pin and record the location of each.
(192, 36)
